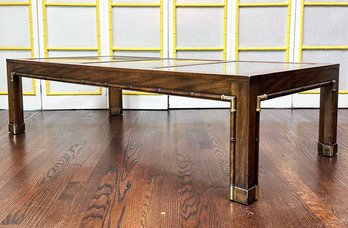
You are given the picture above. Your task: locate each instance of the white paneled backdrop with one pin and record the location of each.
(264, 30)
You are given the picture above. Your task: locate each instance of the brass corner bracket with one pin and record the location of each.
(13, 74)
(16, 129)
(327, 150)
(232, 99)
(244, 196)
(259, 99)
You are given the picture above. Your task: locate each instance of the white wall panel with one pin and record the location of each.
(325, 56)
(184, 102)
(331, 56)
(14, 32)
(71, 26)
(61, 88)
(138, 53)
(277, 56)
(306, 100)
(313, 100)
(265, 26)
(325, 26)
(32, 96)
(136, 27)
(73, 102)
(218, 55)
(199, 27)
(145, 102)
(12, 1)
(323, 38)
(58, 54)
(280, 102)
(58, 87)
(27, 83)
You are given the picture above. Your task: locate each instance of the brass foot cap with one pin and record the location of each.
(327, 150)
(115, 111)
(244, 196)
(16, 129)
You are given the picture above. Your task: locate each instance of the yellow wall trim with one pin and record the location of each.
(199, 5)
(262, 48)
(63, 4)
(15, 3)
(325, 3)
(135, 49)
(16, 48)
(200, 48)
(345, 47)
(268, 4)
(135, 4)
(72, 49)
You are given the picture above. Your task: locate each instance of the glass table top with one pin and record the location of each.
(240, 68)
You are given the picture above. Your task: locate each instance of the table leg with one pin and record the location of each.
(244, 150)
(115, 102)
(15, 103)
(327, 145)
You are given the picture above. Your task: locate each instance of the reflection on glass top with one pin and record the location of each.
(243, 68)
(86, 59)
(153, 63)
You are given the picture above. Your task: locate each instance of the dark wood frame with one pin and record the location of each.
(244, 92)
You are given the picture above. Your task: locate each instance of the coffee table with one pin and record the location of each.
(243, 83)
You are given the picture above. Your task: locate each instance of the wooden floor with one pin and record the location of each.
(166, 169)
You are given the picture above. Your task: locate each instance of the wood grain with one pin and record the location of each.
(115, 102)
(166, 169)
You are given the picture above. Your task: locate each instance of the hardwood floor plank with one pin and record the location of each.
(166, 169)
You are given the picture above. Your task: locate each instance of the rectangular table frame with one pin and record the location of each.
(244, 94)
